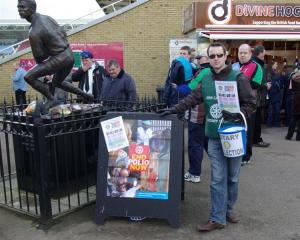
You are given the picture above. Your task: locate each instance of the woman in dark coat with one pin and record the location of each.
(295, 86)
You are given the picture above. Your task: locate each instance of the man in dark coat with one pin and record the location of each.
(51, 52)
(259, 55)
(118, 85)
(295, 122)
(89, 75)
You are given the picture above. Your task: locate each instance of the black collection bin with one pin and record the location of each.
(70, 159)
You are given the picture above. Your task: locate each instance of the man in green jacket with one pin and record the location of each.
(224, 171)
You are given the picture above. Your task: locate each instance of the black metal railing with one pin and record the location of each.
(48, 164)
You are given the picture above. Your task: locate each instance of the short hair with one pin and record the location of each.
(258, 49)
(186, 48)
(246, 45)
(216, 44)
(113, 62)
(30, 3)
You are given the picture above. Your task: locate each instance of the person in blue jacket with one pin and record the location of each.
(19, 84)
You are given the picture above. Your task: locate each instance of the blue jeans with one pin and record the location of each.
(195, 146)
(224, 181)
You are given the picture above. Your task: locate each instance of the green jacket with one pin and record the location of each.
(206, 92)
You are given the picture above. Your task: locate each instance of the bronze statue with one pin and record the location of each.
(51, 51)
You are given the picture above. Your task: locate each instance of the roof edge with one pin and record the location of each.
(107, 17)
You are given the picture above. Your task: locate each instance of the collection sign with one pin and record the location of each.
(139, 166)
(227, 95)
(230, 14)
(143, 177)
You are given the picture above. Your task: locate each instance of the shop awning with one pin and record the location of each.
(250, 35)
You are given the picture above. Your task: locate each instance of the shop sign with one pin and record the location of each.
(251, 16)
(176, 44)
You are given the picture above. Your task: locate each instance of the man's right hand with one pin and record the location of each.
(166, 111)
(296, 76)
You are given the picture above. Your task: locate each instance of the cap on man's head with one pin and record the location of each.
(202, 53)
(86, 54)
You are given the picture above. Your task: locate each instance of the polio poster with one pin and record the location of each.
(141, 169)
(227, 96)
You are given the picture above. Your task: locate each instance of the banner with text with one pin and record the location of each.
(142, 169)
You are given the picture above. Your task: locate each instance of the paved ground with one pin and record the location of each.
(269, 206)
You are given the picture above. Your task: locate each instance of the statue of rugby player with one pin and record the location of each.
(51, 51)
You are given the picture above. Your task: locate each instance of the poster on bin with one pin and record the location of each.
(227, 95)
(232, 143)
(114, 134)
(141, 170)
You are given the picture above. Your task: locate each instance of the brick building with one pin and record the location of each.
(144, 28)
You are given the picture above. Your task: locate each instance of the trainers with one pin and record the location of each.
(137, 219)
(191, 178)
(244, 162)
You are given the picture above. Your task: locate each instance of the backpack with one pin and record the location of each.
(169, 92)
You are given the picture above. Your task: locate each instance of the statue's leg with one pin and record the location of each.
(32, 76)
(59, 81)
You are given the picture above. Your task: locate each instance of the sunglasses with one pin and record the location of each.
(213, 56)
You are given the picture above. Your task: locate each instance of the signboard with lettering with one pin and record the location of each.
(227, 14)
(176, 44)
(143, 178)
(102, 52)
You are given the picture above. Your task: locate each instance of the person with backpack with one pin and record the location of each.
(181, 71)
(195, 117)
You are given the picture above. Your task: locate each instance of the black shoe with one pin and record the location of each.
(261, 144)
(288, 138)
